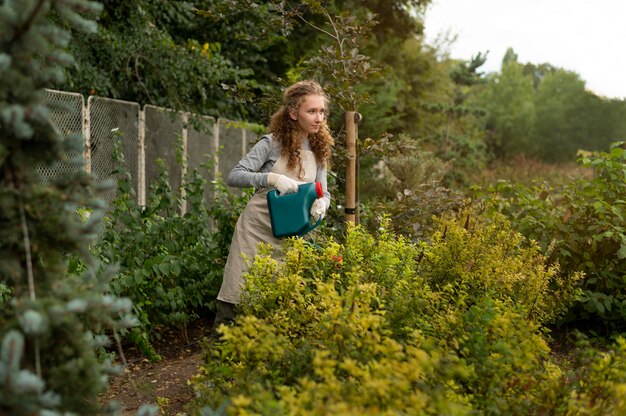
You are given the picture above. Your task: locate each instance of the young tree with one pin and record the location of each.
(508, 98)
(53, 322)
(456, 134)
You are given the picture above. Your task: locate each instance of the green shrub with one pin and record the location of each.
(170, 265)
(320, 345)
(601, 386)
(581, 226)
(593, 383)
(483, 292)
(487, 257)
(407, 185)
(5, 293)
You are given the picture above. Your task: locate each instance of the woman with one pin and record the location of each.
(296, 151)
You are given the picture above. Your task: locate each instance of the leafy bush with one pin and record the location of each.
(320, 345)
(486, 256)
(594, 383)
(582, 227)
(407, 184)
(5, 293)
(380, 325)
(170, 265)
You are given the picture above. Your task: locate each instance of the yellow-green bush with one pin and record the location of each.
(593, 383)
(313, 340)
(379, 325)
(489, 257)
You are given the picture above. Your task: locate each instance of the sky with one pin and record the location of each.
(583, 36)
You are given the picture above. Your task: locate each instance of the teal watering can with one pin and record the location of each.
(289, 213)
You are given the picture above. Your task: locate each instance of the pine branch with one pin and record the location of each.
(25, 27)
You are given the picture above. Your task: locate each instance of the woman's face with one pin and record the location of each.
(311, 114)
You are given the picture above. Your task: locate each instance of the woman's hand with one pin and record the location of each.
(318, 209)
(284, 184)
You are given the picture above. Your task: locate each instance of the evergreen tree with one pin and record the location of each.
(457, 134)
(52, 322)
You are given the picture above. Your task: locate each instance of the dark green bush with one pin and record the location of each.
(170, 265)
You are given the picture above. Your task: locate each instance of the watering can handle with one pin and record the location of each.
(310, 227)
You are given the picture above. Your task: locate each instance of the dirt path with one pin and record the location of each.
(164, 383)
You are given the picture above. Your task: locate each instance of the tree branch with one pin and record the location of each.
(31, 277)
(317, 27)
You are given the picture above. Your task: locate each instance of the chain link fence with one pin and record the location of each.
(110, 120)
(202, 148)
(145, 136)
(66, 110)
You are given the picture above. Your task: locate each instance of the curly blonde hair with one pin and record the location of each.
(286, 129)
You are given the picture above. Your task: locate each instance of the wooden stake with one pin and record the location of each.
(350, 208)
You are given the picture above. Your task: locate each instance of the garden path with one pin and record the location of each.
(165, 382)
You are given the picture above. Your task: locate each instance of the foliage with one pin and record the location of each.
(5, 293)
(561, 126)
(315, 335)
(483, 255)
(509, 100)
(52, 325)
(22, 391)
(545, 112)
(408, 70)
(205, 53)
(339, 64)
(407, 185)
(455, 133)
(231, 58)
(161, 53)
(170, 263)
(379, 325)
(600, 387)
(582, 227)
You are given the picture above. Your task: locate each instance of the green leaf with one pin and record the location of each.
(617, 151)
(175, 268)
(599, 306)
(618, 212)
(164, 268)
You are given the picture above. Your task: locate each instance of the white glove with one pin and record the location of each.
(318, 209)
(284, 184)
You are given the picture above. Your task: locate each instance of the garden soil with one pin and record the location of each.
(165, 382)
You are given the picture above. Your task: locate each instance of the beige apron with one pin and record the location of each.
(253, 227)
